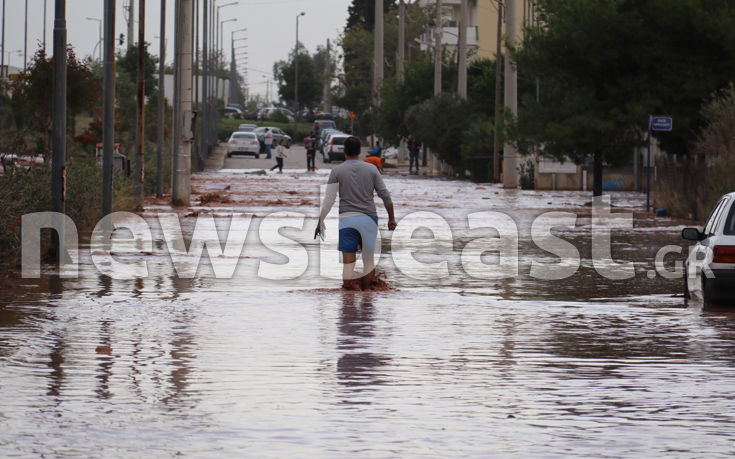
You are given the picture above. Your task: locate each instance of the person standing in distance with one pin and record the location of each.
(268, 141)
(414, 146)
(310, 145)
(356, 182)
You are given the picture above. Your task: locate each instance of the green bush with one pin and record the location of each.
(27, 191)
(439, 123)
(477, 140)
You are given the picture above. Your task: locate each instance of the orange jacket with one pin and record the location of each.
(375, 161)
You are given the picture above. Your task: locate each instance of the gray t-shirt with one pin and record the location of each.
(356, 181)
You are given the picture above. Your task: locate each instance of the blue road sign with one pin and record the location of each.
(661, 123)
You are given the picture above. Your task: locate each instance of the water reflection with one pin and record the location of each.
(358, 367)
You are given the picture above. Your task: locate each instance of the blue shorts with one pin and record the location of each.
(358, 231)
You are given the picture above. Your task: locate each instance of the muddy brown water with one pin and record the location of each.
(205, 367)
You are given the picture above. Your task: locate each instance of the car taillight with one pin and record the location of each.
(233, 142)
(723, 254)
(254, 142)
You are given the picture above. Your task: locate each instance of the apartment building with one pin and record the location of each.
(482, 24)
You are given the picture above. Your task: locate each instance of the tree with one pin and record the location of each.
(310, 85)
(604, 65)
(128, 63)
(31, 100)
(439, 123)
(362, 13)
(357, 50)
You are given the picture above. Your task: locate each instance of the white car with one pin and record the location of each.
(334, 149)
(244, 143)
(710, 267)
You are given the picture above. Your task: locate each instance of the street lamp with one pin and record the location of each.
(234, 93)
(100, 36)
(296, 63)
(217, 45)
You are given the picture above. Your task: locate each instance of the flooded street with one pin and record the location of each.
(280, 362)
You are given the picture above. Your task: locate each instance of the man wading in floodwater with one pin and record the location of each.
(356, 181)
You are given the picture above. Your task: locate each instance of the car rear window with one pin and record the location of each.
(714, 218)
(243, 136)
(339, 140)
(730, 222)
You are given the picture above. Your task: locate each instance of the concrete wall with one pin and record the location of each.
(224, 89)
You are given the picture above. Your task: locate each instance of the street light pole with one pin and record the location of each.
(215, 58)
(99, 43)
(25, 40)
(233, 67)
(44, 25)
(58, 162)
(401, 39)
(438, 49)
(296, 70)
(108, 107)
(498, 67)
(510, 155)
(140, 133)
(2, 52)
(161, 106)
(221, 44)
(378, 54)
(462, 53)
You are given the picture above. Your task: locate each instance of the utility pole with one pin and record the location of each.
(44, 26)
(401, 40)
(378, 54)
(161, 104)
(131, 22)
(498, 69)
(510, 155)
(108, 107)
(204, 130)
(140, 133)
(328, 72)
(462, 53)
(58, 161)
(2, 50)
(25, 41)
(438, 49)
(183, 106)
(296, 70)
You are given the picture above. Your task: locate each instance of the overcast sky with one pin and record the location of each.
(271, 28)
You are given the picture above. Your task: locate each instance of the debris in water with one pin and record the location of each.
(214, 197)
(107, 350)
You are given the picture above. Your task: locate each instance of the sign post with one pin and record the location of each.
(655, 123)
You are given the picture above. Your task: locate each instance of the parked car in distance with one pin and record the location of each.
(323, 138)
(320, 125)
(232, 113)
(710, 267)
(244, 143)
(267, 113)
(335, 149)
(246, 128)
(237, 106)
(278, 134)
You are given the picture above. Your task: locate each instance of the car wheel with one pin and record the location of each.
(229, 155)
(257, 156)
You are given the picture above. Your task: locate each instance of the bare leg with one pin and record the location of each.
(368, 272)
(349, 281)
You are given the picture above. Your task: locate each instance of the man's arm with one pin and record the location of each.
(384, 194)
(329, 197)
(391, 217)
